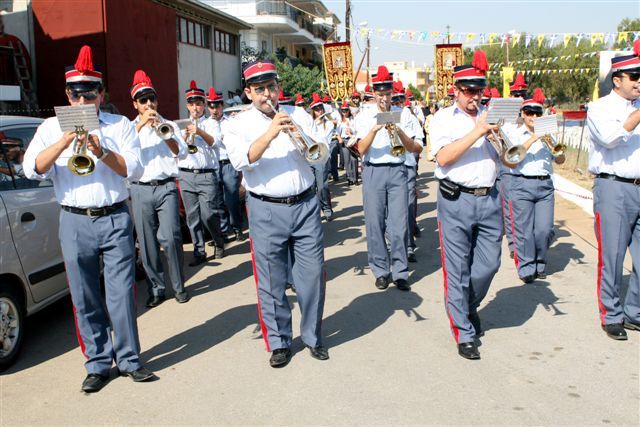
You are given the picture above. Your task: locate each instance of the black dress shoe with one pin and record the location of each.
(182, 297)
(218, 252)
(198, 260)
(402, 284)
(615, 331)
(528, 279)
(280, 357)
(94, 383)
(140, 375)
(411, 256)
(633, 326)
(474, 318)
(292, 287)
(469, 350)
(155, 300)
(318, 352)
(511, 254)
(382, 282)
(541, 276)
(240, 237)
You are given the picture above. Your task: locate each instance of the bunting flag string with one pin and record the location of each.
(550, 71)
(548, 60)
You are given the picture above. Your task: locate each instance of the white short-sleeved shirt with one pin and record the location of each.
(478, 166)
(103, 187)
(157, 159)
(538, 161)
(282, 171)
(206, 157)
(613, 150)
(379, 151)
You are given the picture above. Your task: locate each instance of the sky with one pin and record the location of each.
(488, 16)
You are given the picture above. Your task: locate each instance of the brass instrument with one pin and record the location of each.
(80, 163)
(509, 154)
(557, 149)
(396, 148)
(163, 130)
(314, 152)
(191, 141)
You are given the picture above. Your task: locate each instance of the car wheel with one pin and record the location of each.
(11, 328)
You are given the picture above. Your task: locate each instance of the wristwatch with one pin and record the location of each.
(105, 153)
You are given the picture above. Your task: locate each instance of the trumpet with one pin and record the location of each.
(314, 152)
(510, 154)
(557, 149)
(80, 163)
(191, 141)
(396, 147)
(163, 130)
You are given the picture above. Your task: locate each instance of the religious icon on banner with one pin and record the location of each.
(448, 56)
(338, 68)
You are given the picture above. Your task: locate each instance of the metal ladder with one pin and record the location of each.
(23, 74)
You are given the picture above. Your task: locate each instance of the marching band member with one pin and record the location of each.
(228, 177)
(323, 129)
(94, 225)
(486, 96)
(356, 99)
(519, 87)
(284, 216)
(469, 220)
(284, 98)
(368, 98)
(415, 109)
(300, 102)
(384, 187)
(531, 194)
(345, 132)
(614, 158)
(199, 179)
(154, 196)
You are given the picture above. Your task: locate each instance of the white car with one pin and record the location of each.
(32, 273)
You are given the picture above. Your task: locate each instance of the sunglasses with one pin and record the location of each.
(144, 99)
(469, 91)
(273, 87)
(532, 113)
(634, 77)
(89, 95)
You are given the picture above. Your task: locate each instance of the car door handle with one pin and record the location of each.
(27, 217)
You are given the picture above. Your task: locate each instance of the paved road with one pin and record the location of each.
(393, 359)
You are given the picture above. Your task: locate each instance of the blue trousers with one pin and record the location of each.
(229, 188)
(321, 175)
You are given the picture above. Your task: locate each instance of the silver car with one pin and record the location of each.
(31, 266)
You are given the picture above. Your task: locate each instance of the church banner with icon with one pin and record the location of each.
(338, 68)
(448, 56)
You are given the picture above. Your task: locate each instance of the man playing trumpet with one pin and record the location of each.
(284, 214)
(154, 196)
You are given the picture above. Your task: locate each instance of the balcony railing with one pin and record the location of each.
(281, 8)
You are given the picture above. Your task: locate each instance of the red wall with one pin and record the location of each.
(125, 35)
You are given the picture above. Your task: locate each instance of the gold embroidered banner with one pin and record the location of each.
(447, 57)
(338, 68)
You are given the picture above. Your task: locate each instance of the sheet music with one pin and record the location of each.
(183, 123)
(546, 125)
(388, 117)
(507, 109)
(70, 117)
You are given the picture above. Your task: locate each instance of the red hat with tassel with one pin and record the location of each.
(535, 103)
(299, 99)
(214, 97)
(382, 80)
(315, 100)
(475, 74)
(627, 62)
(141, 85)
(194, 92)
(82, 75)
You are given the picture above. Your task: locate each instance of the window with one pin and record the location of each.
(193, 33)
(13, 144)
(225, 42)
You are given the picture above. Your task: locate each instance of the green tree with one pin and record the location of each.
(627, 24)
(299, 78)
(417, 95)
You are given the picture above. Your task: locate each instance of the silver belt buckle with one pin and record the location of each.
(290, 200)
(90, 213)
(636, 181)
(479, 192)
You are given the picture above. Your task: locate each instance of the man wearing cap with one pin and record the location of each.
(95, 225)
(384, 181)
(614, 158)
(199, 178)
(284, 216)
(228, 177)
(469, 219)
(323, 130)
(300, 102)
(154, 196)
(531, 193)
(356, 99)
(344, 130)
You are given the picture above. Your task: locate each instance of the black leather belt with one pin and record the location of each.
(94, 212)
(482, 191)
(197, 170)
(384, 164)
(291, 200)
(156, 182)
(538, 177)
(225, 161)
(634, 181)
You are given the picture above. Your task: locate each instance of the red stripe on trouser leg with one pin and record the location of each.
(601, 307)
(513, 235)
(263, 327)
(454, 329)
(75, 320)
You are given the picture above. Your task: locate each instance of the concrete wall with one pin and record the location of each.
(226, 72)
(194, 63)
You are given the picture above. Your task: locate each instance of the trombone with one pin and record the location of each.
(509, 154)
(557, 148)
(314, 152)
(80, 163)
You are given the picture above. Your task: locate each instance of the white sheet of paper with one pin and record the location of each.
(183, 123)
(388, 117)
(507, 109)
(546, 125)
(70, 117)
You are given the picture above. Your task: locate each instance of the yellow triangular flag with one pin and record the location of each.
(596, 91)
(623, 36)
(492, 37)
(540, 39)
(470, 37)
(567, 39)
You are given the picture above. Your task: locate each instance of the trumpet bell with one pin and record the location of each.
(514, 155)
(164, 131)
(192, 149)
(398, 150)
(317, 153)
(81, 165)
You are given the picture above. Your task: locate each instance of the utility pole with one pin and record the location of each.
(368, 53)
(347, 20)
(448, 27)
